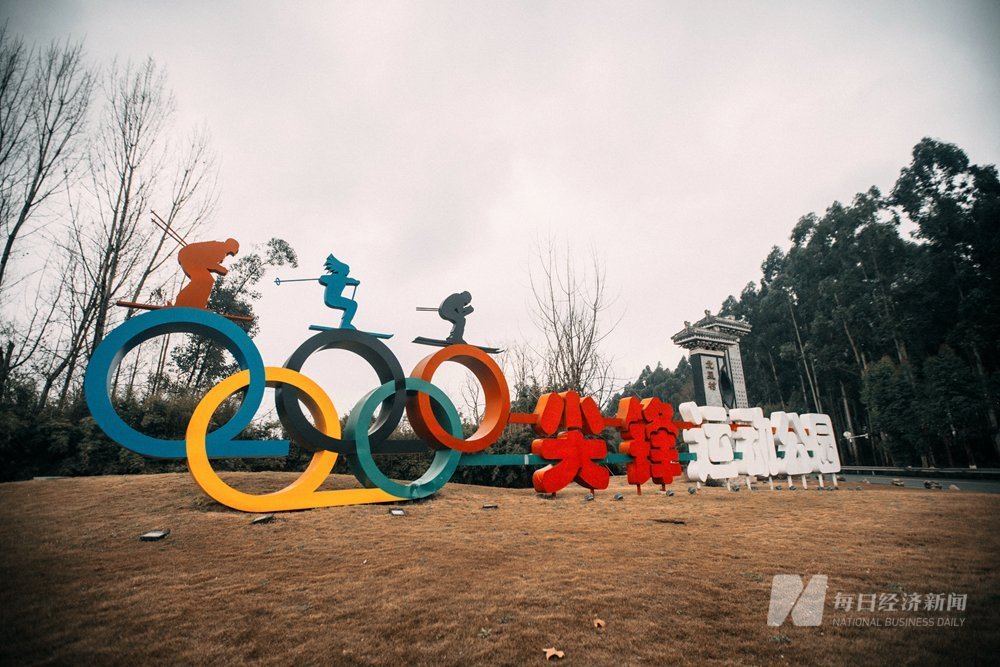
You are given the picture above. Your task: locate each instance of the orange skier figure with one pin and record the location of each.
(200, 261)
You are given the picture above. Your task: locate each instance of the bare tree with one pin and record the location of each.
(520, 366)
(569, 310)
(193, 195)
(472, 398)
(112, 249)
(44, 98)
(76, 311)
(124, 167)
(21, 340)
(105, 247)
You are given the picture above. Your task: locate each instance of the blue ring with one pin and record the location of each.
(363, 465)
(108, 355)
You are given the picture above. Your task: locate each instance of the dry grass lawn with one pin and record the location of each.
(452, 583)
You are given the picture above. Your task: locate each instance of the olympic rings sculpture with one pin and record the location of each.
(720, 444)
(431, 413)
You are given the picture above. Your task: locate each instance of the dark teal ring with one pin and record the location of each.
(363, 465)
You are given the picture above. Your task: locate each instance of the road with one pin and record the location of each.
(988, 486)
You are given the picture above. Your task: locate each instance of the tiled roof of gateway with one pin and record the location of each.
(711, 332)
(711, 321)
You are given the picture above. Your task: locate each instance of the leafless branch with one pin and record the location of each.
(569, 310)
(44, 99)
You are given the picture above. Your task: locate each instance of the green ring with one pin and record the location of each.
(363, 465)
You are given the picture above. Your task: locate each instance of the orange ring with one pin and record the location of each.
(421, 415)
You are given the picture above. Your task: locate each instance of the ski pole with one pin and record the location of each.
(278, 281)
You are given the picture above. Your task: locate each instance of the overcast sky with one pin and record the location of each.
(433, 146)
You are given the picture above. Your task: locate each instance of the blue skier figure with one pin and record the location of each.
(337, 278)
(335, 281)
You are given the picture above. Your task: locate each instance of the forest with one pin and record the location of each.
(882, 312)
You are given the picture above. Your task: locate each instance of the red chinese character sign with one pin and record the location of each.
(650, 437)
(574, 455)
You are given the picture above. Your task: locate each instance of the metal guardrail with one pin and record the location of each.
(969, 473)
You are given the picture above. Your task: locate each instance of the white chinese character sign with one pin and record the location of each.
(723, 444)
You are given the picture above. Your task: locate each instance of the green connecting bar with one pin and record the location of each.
(535, 460)
(500, 460)
(525, 459)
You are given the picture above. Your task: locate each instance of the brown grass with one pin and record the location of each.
(451, 583)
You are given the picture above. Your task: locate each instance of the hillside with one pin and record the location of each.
(452, 583)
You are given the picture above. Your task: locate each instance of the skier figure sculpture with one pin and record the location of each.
(454, 309)
(335, 281)
(199, 261)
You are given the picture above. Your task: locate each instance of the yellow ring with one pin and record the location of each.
(300, 494)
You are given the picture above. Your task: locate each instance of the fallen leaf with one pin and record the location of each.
(553, 653)
(599, 624)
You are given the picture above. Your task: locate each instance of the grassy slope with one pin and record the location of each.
(451, 583)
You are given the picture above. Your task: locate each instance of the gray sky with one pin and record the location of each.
(432, 146)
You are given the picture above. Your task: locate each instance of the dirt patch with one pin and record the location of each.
(682, 579)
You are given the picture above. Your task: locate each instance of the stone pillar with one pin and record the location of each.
(734, 360)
